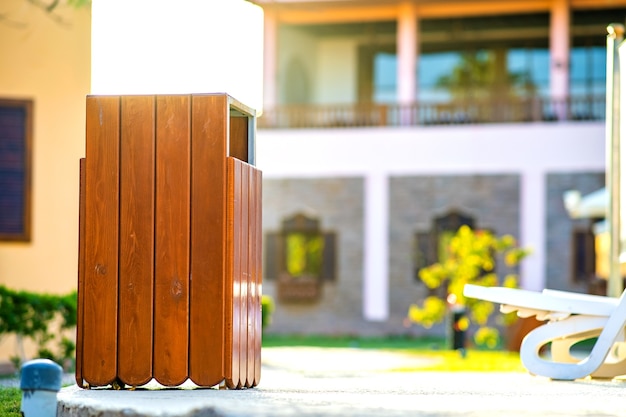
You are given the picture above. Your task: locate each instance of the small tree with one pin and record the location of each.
(470, 258)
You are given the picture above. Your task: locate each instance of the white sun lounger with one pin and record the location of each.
(570, 318)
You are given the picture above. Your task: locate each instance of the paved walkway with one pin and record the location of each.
(352, 382)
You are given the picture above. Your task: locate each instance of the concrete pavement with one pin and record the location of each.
(353, 382)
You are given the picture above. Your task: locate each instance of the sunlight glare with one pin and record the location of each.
(178, 47)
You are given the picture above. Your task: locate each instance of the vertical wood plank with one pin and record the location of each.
(233, 278)
(101, 240)
(171, 329)
(81, 276)
(208, 239)
(258, 271)
(238, 344)
(136, 239)
(244, 234)
(251, 258)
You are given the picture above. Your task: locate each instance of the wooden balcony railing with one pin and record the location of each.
(424, 114)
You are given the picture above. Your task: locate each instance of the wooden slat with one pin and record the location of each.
(136, 239)
(171, 317)
(99, 365)
(251, 258)
(255, 315)
(81, 276)
(208, 239)
(258, 272)
(233, 278)
(237, 271)
(244, 234)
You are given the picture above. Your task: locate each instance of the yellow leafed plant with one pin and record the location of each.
(469, 258)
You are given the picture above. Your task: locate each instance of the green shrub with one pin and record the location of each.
(469, 258)
(267, 308)
(33, 315)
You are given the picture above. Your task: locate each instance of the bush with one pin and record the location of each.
(267, 308)
(470, 258)
(32, 315)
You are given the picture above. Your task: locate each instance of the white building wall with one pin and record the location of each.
(336, 72)
(294, 44)
(529, 150)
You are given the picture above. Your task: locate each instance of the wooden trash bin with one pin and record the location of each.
(169, 282)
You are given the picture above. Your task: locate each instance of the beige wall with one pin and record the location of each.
(49, 62)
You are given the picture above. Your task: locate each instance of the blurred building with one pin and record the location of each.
(388, 124)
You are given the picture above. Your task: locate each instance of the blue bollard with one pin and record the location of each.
(40, 382)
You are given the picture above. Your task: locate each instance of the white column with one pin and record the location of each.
(406, 41)
(270, 46)
(532, 233)
(375, 264)
(559, 55)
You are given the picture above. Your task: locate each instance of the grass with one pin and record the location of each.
(435, 349)
(10, 399)
(471, 361)
(387, 343)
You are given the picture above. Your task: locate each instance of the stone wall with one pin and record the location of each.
(559, 227)
(414, 202)
(492, 200)
(338, 204)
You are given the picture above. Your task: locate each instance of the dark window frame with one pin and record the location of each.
(18, 204)
(583, 262)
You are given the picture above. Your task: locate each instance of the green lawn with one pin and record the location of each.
(10, 402)
(442, 358)
(397, 342)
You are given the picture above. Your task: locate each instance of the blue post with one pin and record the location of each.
(40, 382)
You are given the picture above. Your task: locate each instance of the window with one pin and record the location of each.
(300, 258)
(16, 118)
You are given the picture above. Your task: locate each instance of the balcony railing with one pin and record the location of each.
(424, 114)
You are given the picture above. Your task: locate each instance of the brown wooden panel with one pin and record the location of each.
(238, 288)
(208, 239)
(99, 365)
(136, 239)
(244, 235)
(81, 276)
(251, 257)
(171, 328)
(258, 271)
(254, 259)
(239, 138)
(233, 277)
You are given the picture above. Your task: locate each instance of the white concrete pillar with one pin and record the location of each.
(376, 259)
(270, 46)
(407, 52)
(559, 55)
(532, 233)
